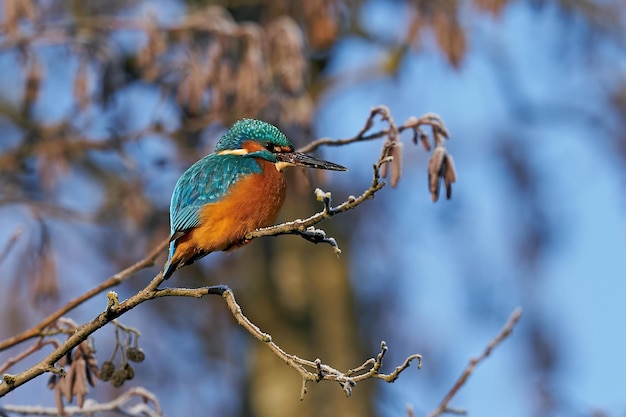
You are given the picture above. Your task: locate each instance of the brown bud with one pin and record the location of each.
(52, 381)
(449, 176)
(129, 371)
(440, 166)
(386, 152)
(118, 378)
(14, 10)
(450, 37)
(79, 385)
(135, 354)
(493, 6)
(192, 87)
(396, 163)
(424, 141)
(106, 372)
(155, 46)
(65, 385)
(81, 87)
(285, 44)
(322, 23)
(33, 83)
(252, 75)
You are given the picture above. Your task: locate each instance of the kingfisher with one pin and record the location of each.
(236, 189)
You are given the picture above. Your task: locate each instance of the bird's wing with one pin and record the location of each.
(205, 182)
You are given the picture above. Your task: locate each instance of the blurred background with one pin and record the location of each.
(103, 104)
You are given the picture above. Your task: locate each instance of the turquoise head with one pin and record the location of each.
(250, 138)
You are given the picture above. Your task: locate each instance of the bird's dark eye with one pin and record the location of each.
(270, 146)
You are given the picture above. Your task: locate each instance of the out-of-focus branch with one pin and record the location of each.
(63, 139)
(24, 354)
(4, 252)
(443, 407)
(111, 282)
(148, 406)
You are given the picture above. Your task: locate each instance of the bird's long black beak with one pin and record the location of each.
(304, 160)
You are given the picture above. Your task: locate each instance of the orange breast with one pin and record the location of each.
(251, 202)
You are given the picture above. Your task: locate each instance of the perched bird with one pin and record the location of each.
(238, 188)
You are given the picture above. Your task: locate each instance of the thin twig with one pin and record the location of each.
(300, 226)
(4, 252)
(504, 333)
(429, 119)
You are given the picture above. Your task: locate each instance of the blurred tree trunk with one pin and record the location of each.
(300, 293)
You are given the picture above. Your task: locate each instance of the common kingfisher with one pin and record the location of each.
(236, 189)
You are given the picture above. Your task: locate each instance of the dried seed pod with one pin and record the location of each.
(396, 163)
(81, 85)
(493, 6)
(387, 149)
(450, 37)
(252, 76)
(107, 370)
(155, 46)
(191, 88)
(434, 171)
(449, 176)
(52, 381)
(79, 383)
(321, 23)
(32, 86)
(424, 141)
(129, 371)
(285, 44)
(14, 10)
(92, 369)
(118, 378)
(135, 354)
(440, 167)
(65, 385)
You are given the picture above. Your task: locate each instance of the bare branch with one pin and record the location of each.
(309, 370)
(504, 333)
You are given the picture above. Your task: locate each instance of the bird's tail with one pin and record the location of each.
(171, 265)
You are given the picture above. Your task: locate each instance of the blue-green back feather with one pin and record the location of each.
(205, 182)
